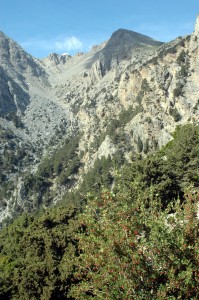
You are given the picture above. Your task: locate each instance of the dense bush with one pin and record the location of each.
(36, 255)
(137, 251)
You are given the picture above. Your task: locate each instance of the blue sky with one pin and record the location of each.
(45, 26)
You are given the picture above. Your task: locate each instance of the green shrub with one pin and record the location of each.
(36, 255)
(178, 91)
(137, 251)
(175, 114)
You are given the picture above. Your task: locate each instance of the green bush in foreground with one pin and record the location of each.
(140, 243)
(135, 252)
(36, 256)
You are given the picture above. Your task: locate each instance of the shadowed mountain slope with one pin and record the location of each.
(121, 45)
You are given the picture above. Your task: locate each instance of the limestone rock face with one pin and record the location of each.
(106, 148)
(196, 31)
(195, 36)
(126, 95)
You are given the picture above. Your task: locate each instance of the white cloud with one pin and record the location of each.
(66, 44)
(71, 43)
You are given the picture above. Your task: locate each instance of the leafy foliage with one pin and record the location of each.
(36, 256)
(137, 251)
(139, 241)
(170, 171)
(175, 114)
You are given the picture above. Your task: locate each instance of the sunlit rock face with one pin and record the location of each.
(144, 86)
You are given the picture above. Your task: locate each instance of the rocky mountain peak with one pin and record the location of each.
(58, 58)
(2, 35)
(10, 50)
(131, 38)
(121, 45)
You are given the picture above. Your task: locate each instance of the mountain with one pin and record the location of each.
(121, 45)
(65, 119)
(18, 69)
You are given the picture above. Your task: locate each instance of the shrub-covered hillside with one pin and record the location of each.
(139, 240)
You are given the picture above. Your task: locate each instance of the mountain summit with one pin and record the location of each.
(127, 38)
(122, 43)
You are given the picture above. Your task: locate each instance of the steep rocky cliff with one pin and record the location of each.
(125, 96)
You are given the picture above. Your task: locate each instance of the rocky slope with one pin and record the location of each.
(125, 96)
